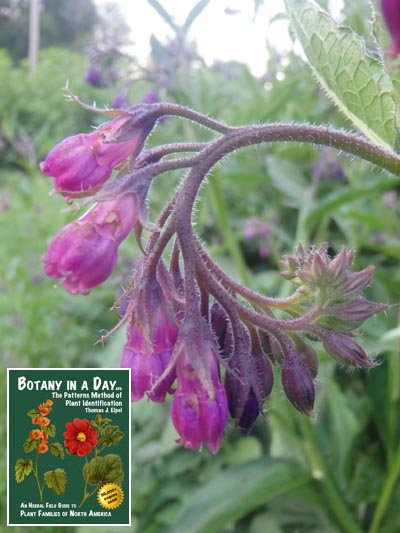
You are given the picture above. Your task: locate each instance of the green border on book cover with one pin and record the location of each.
(69, 447)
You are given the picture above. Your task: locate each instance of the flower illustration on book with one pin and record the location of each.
(82, 438)
(40, 440)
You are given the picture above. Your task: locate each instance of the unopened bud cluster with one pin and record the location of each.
(188, 334)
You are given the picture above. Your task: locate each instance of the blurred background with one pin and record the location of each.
(236, 61)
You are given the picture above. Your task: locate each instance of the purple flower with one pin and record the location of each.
(327, 167)
(199, 415)
(83, 254)
(391, 16)
(149, 359)
(94, 76)
(150, 97)
(85, 161)
(256, 230)
(120, 102)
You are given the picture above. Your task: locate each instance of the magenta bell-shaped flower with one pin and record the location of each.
(149, 359)
(197, 415)
(391, 16)
(84, 162)
(83, 254)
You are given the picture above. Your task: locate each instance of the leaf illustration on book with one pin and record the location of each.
(32, 413)
(57, 449)
(30, 445)
(56, 480)
(106, 469)
(50, 430)
(23, 467)
(110, 435)
(99, 421)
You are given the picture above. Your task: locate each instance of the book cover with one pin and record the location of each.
(69, 447)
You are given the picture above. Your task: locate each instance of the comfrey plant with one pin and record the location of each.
(192, 331)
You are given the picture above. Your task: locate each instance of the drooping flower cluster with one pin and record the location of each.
(84, 253)
(193, 332)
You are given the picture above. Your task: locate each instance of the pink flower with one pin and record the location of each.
(391, 15)
(83, 254)
(148, 359)
(199, 415)
(85, 161)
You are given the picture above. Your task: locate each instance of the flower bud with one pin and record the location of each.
(83, 254)
(81, 163)
(219, 324)
(298, 384)
(249, 414)
(248, 382)
(309, 356)
(344, 349)
(356, 310)
(356, 282)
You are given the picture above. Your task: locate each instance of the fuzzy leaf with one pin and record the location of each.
(57, 449)
(104, 469)
(56, 480)
(354, 80)
(23, 467)
(32, 413)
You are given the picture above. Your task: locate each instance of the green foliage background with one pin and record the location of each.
(292, 473)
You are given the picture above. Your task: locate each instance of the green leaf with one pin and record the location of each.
(56, 480)
(163, 14)
(50, 430)
(99, 421)
(32, 413)
(355, 81)
(57, 449)
(193, 14)
(287, 178)
(105, 469)
(336, 199)
(30, 445)
(215, 504)
(23, 467)
(110, 435)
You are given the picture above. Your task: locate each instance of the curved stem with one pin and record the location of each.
(241, 137)
(165, 108)
(271, 325)
(158, 152)
(252, 296)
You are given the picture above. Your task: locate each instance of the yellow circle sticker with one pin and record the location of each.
(110, 496)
